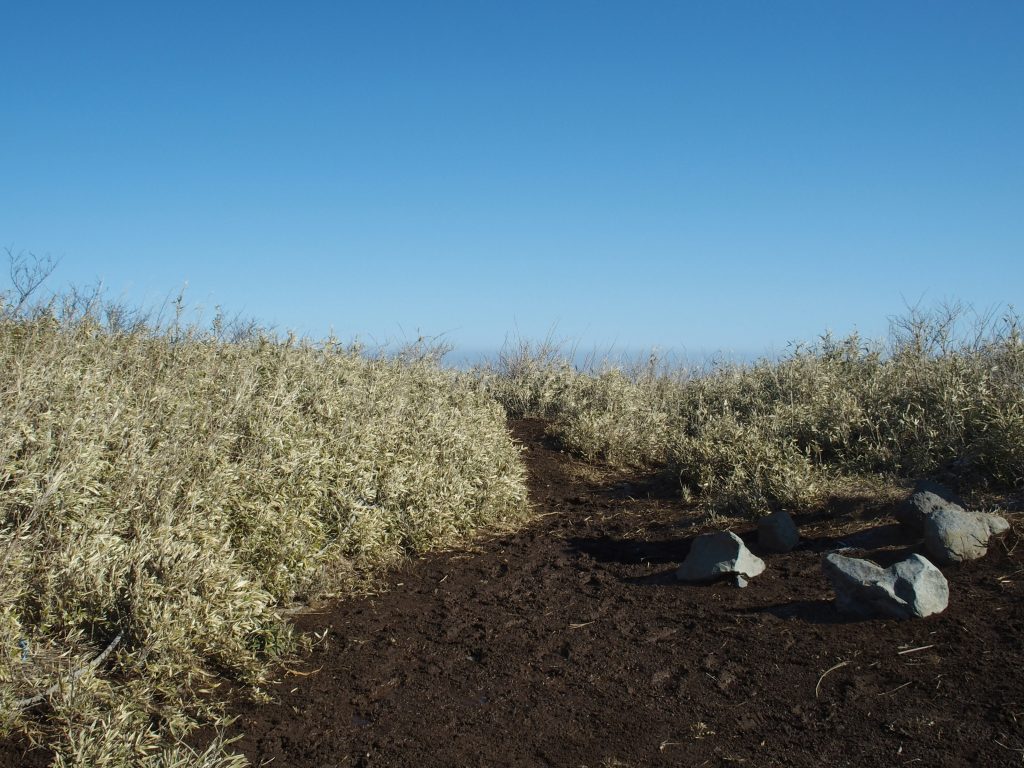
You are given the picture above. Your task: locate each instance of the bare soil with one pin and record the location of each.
(570, 643)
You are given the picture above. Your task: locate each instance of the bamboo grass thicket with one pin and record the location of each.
(180, 487)
(944, 394)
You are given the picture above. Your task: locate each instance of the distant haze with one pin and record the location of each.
(627, 358)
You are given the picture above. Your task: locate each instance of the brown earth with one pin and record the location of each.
(570, 643)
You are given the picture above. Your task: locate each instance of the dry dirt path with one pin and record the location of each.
(570, 644)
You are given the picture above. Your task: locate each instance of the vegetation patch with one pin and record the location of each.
(941, 396)
(174, 487)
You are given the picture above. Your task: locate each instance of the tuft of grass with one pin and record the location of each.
(181, 484)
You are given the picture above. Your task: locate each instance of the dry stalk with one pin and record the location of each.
(817, 688)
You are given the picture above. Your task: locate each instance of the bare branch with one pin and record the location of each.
(28, 272)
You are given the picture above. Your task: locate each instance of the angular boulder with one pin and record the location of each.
(777, 532)
(944, 491)
(911, 588)
(954, 536)
(714, 555)
(925, 501)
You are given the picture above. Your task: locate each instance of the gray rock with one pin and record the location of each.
(739, 581)
(777, 532)
(940, 490)
(920, 585)
(714, 555)
(915, 510)
(954, 536)
(910, 588)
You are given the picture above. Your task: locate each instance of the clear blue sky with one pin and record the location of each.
(691, 175)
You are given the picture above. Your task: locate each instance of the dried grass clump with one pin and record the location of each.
(532, 380)
(616, 418)
(610, 412)
(179, 485)
(943, 396)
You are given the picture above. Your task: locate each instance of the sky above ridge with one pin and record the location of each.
(694, 176)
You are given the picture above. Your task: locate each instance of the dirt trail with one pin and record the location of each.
(570, 643)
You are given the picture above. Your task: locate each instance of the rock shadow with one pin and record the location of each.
(863, 510)
(657, 579)
(879, 537)
(655, 487)
(884, 544)
(614, 549)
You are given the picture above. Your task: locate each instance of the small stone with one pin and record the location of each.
(777, 532)
(739, 581)
(714, 555)
(955, 536)
(910, 588)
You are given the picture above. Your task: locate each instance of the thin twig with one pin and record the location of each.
(817, 688)
(915, 650)
(897, 688)
(301, 674)
(1009, 749)
(32, 701)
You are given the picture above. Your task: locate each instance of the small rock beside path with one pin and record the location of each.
(952, 536)
(911, 588)
(777, 532)
(715, 555)
(951, 533)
